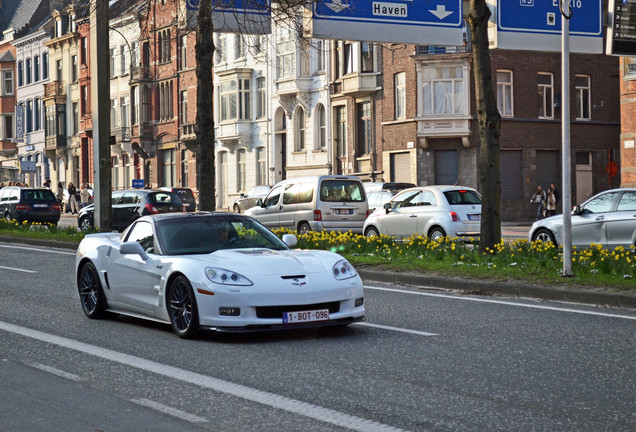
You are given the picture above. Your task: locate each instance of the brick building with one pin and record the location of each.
(628, 121)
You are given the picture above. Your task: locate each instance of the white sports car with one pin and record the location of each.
(216, 271)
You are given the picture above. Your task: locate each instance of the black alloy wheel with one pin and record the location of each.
(182, 308)
(91, 292)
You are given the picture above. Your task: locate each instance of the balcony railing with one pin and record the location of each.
(140, 72)
(431, 49)
(55, 88)
(188, 131)
(55, 141)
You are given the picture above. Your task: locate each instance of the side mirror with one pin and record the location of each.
(290, 240)
(387, 207)
(133, 248)
(576, 210)
(260, 203)
(242, 195)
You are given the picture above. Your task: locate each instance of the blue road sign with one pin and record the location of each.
(536, 25)
(138, 183)
(426, 22)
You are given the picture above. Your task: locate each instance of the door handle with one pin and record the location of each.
(600, 218)
(413, 216)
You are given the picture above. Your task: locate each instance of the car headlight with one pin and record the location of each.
(343, 270)
(226, 277)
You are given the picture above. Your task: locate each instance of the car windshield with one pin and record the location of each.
(207, 234)
(38, 195)
(462, 197)
(341, 191)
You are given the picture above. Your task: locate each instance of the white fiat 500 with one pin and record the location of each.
(433, 211)
(216, 271)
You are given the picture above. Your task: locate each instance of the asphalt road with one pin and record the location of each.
(424, 361)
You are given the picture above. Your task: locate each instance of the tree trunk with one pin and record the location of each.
(489, 127)
(204, 52)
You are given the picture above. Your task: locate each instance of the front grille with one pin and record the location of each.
(277, 311)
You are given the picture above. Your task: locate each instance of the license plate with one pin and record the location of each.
(474, 217)
(40, 205)
(343, 211)
(306, 316)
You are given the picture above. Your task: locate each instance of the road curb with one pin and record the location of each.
(585, 295)
(39, 242)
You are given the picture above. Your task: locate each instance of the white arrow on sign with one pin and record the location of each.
(440, 12)
(337, 6)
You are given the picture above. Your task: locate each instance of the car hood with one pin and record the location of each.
(257, 262)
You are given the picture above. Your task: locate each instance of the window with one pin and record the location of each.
(29, 116)
(303, 52)
(321, 119)
(169, 167)
(341, 131)
(400, 95)
(84, 100)
(261, 166)
(45, 66)
(261, 98)
(125, 162)
(165, 100)
(123, 60)
(165, 44)
(241, 160)
(145, 104)
(20, 73)
(58, 68)
(583, 97)
(546, 95)
(112, 62)
(134, 95)
(260, 44)
(443, 91)
(83, 51)
(320, 55)
(50, 121)
(75, 119)
(221, 48)
(7, 83)
(366, 57)
(240, 47)
(37, 114)
(235, 100)
(114, 120)
(183, 101)
(183, 52)
(364, 128)
(124, 103)
(299, 115)
(134, 54)
(114, 161)
(286, 54)
(347, 58)
(184, 168)
(74, 68)
(6, 126)
(28, 75)
(504, 93)
(36, 68)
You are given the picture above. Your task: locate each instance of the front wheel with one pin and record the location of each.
(436, 233)
(371, 232)
(91, 292)
(544, 235)
(303, 228)
(85, 224)
(182, 308)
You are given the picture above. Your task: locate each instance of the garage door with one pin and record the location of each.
(401, 167)
(446, 167)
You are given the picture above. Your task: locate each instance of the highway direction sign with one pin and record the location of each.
(536, 25)
(424, 22)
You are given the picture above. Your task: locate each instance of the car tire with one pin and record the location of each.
(371, 232)
(303, 228)
(544, 235)
(85, 224)
(182, 308)
(91, 292)
(8, 217)
(436, 233)
(236, 208)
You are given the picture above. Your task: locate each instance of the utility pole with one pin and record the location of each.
(565, 137)
(100, 99)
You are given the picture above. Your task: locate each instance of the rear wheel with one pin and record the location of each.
(85, 224)
(182, 308)
(91, 292)
(371, 232)
(544, 235)
(436, 233)
(303, 228)
(236, 208)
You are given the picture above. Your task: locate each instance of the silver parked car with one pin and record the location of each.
(250, 198)
(607, 219)
(433, 211)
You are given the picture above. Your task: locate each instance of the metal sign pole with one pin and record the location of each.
(565, 134)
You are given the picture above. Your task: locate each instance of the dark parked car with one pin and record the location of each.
(129, 205)
(185, 195)
(29, 204)
(249, 198)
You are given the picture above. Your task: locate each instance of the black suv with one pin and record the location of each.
(129, 205)
(29, 204)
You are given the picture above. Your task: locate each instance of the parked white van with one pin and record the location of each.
(303, 204)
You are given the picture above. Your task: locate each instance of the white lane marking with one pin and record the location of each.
(32, 248)
(170, 411)
(17, 269)
(273, 400)
(57, 372)
(448, 296)
(397, 329)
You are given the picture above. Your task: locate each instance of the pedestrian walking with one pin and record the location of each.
(538, 199)
(550, 206)
(60, 196)
(72, 200)
(84, 195)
